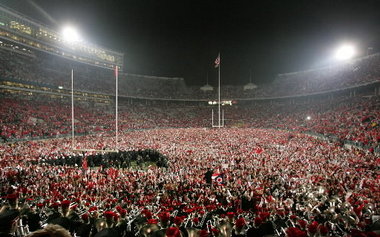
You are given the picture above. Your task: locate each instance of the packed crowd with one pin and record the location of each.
(41, 69)
(274, 183)
(36, 117)
(246, 181)
(344, 119)
(40, 116)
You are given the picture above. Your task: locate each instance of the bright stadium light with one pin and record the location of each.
(70, 34)
(345, 52)
(308, 118)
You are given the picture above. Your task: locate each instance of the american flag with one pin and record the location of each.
(217, 61)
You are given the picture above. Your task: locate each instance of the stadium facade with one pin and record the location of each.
(19, 32)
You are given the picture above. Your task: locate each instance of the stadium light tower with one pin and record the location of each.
(345, 52)
(70, 34)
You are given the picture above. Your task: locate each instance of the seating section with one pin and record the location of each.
(51, 71)
(346, 119)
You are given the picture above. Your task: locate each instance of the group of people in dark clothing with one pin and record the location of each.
(120, 159)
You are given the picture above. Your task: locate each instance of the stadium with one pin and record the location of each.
(90, 149)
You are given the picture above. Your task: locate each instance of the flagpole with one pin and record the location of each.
(116, 112)
(219, 91)
(72, 109)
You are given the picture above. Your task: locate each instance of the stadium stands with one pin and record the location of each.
(51, 71)
(353, 120)
(336, 77)
(303, 165)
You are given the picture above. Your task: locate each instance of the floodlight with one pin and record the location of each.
(308, 118)
(70, 34)
(345, 52)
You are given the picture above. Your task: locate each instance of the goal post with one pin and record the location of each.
(220, 122)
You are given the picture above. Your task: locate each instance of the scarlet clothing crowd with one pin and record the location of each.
(355, 120)
(276, 183)
(39, 117)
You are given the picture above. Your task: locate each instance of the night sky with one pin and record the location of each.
(183, 38)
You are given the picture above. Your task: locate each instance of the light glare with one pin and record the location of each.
(70, 34)
(345, 52)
